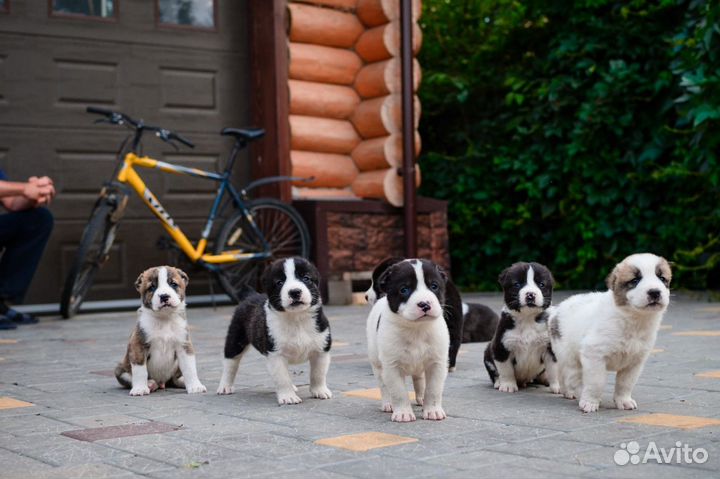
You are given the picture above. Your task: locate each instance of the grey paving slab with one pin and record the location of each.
(64, 369)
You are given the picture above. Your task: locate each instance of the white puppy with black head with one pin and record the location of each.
(407, 336)
(159, 352)
(287, 325)
(615, 330)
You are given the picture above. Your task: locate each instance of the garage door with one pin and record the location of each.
(181, 64)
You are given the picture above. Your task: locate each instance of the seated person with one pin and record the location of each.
(24, 232)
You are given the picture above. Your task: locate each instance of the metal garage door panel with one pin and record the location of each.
(190, 81)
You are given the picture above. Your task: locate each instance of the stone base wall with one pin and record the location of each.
(359, 241)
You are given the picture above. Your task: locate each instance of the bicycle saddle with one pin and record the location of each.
(248, 134)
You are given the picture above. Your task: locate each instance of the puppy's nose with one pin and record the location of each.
(295, 294)
(366, 298)
(654, 294)
(424, 306)
(530, 297)
(164, 298)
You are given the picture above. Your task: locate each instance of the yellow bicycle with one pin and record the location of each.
(256, 232)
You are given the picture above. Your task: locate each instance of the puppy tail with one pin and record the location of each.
(243, 292)
(490, 364)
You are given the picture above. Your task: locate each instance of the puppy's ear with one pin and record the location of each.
(265, 279)
(503, 275)
(611, 280)
(183, 276)
(139, 281)
(442, 273)
(384, 279)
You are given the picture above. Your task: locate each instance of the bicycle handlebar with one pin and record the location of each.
(118, 118)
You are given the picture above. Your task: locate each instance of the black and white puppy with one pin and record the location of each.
(480, 323)
(287, 325)
(407, 336)
(453, 307)
(520, 351)
(159, 352)
(615, 330)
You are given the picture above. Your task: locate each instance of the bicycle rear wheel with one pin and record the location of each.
(284, 231)
(95, 244)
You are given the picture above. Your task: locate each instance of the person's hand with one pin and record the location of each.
(39, 190)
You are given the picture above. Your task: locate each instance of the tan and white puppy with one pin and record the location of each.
(160, 353)
(407, 336)
(594, 333)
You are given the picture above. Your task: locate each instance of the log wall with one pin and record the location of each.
(345, 107)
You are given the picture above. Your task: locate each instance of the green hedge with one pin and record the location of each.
(574, 134)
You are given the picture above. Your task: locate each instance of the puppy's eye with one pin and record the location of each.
(541, 284)
(405, 291)
(663, 279)
(518, 284)
(434, 286)
(279, 282)
(306, 279)
(172, 284)
(634, 282)
(152, 288)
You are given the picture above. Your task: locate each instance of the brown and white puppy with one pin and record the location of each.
(160, 353)
(594, 333)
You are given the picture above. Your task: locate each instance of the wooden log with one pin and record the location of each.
(329, 169)
(381, 116)
(385, 77)
(324, 135)
(323, 64)
(383, 42)
(382, 152)
(342, 4)
(382, 184)
(322, 99)
(323, 26)
(302, 193)
(376, 12)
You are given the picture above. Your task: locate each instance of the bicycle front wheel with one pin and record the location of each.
(95, 244)
(281, 226)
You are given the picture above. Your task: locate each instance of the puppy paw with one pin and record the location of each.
(153, 385)
(555, 388)
(195, 388)
(288, 398)
(321, 392)
(625, 403)
(386, 407)
(419, 400)
(225, 389)
(434, 414)
(588, 405)
(403, 416)
(140, 391)
(507, 387)
(569, 395)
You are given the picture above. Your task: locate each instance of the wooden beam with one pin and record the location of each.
(269, 93)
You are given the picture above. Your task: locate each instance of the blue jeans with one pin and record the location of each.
(23, 236)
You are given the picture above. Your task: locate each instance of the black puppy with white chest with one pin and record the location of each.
(287, 325)
(520, 350)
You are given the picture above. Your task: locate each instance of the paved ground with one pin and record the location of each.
(76, 420)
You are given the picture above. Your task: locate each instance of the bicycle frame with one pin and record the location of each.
(129, 175)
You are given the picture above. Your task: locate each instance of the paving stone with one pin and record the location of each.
(65, 370)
